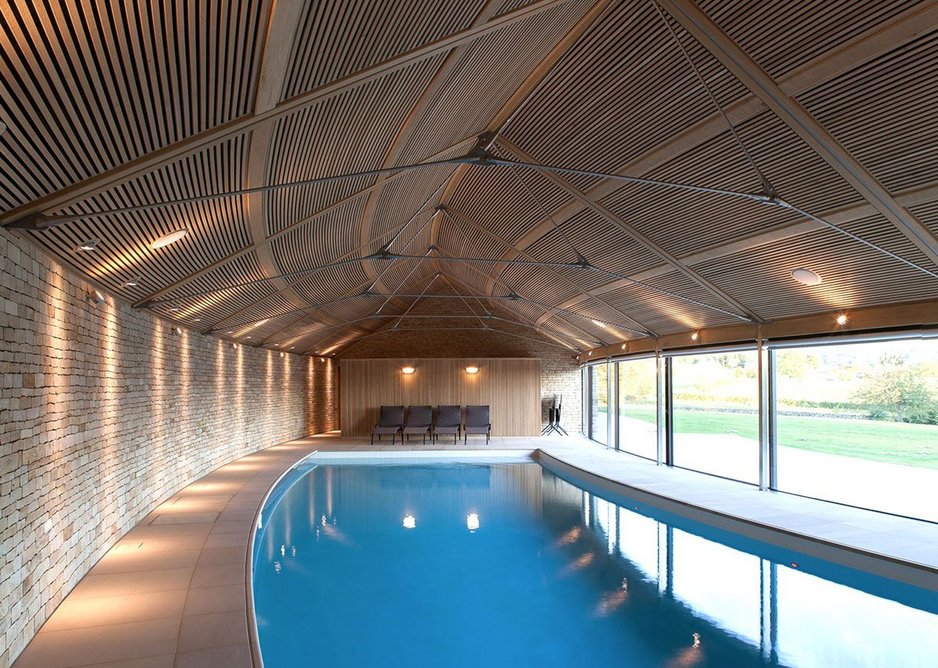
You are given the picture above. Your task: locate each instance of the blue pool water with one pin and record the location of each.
(511, 565)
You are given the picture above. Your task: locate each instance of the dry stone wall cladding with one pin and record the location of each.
(104, 412)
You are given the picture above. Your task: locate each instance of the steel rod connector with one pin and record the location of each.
(769, 198)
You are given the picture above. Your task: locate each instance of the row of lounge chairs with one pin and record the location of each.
(419, 420)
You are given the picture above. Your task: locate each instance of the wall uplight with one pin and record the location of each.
(168, 239)
(695, 336)
(94, 298)
(625, 346)
(842, 319)
(410, 522)
(472, 369)
(408, 370)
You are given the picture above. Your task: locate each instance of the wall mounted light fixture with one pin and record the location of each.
(408, 370)
(472, 369)
(695, 336)
(94, 298)
(842, 319)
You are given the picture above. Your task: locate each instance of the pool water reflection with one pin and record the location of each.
(510, 565)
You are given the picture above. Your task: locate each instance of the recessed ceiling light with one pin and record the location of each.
(231, 331)
(173, 308)
(89, 245)
(842, 319)
(168, 239)
(248, 336)
(133, 282)
(599, 324)
(292, 347)
(197, 320)
(805, 276)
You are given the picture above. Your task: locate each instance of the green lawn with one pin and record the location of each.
(893, 442)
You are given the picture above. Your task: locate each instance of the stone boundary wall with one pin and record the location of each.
(104, 412)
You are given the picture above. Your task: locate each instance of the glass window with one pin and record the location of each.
(716, 414)
(599, 402)
(638, 407)
(858, 424)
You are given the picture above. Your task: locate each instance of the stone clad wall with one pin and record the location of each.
(104, 412)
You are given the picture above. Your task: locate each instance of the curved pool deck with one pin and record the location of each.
(173, 591)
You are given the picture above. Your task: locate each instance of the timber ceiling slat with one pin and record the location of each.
(83, 87)
(312, 143)
(216, 227)
(781, 35)
(89, 86)
(604, 105)
(881, 112)
(488, 73)
(854, 276)
(346, 36)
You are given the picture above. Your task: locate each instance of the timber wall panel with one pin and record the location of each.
(511, 387)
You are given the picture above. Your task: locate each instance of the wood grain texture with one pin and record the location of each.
(511, 387)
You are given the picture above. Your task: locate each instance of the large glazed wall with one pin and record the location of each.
(104, 412)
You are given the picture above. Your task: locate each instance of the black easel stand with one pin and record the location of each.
(553, 421)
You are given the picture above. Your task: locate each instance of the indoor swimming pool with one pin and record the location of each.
(509, 564)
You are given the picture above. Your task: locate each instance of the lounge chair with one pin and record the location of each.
(448, 421)
(390, 421)
(419, 421)
(478, 422)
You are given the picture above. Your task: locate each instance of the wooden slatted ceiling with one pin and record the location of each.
(313, 142)
(216, 227)
(854, 276)
(928, 214)
(86, 86)
(91, 86)
(781, 35)
(341, 37)
(488, 73)
(612, 86)
(881, 113)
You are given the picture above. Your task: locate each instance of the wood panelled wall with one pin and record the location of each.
(511, 387)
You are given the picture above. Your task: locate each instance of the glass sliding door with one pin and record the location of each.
(598, 377)
(638, 407)
(716, 414)
(857, 423)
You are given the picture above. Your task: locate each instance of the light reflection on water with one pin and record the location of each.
(553, 576)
